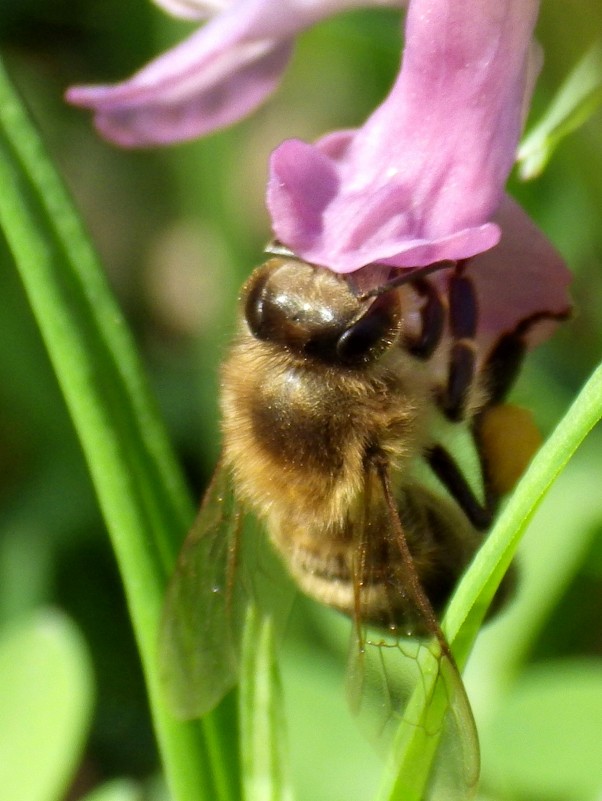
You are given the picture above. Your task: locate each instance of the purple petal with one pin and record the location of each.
(421, 180)
(379, 226)
(193, 9)
(218, 75)
(196, 88)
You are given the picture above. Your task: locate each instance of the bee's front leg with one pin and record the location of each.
(505, 436)
(447, 470)
(463, 318)
(432, 321)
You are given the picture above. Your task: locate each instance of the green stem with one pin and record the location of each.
(414, 751)
(139, 486)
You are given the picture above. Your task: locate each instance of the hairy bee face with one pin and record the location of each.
(312, 314)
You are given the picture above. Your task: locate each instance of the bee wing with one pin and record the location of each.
(408, 689)
(225, 565)
(413, 700)
(203, 614)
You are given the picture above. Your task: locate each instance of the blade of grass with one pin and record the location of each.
(116, 790)
(414, 747)
(139, 487)
(262, 729)
(472, 597)
(578, 99)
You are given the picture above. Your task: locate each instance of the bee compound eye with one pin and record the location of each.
(372, 334)
(254, 304)
(298, 306)
(278, 304)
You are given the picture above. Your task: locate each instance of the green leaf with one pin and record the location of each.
(139, 487)
(46, 691)
(262, 732)
(577, 100)
(548, 564)
(545, 740)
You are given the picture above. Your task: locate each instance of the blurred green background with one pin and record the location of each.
(178, 230)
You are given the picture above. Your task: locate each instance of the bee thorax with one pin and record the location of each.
(296, 436)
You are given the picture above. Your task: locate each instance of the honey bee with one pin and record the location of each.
(328, 400)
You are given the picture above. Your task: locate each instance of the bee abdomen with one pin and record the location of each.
(359, 567)
(376, 600)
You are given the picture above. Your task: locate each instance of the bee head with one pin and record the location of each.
(311, 311)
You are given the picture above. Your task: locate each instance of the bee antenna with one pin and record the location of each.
(404, 277)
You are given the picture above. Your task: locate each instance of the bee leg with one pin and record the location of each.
(504, 361)
(480, 515)
(432, 317)
(445, 467)
(497, 375)
(463, 316)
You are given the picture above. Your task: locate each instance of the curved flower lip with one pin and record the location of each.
(207, 82)
(218, 75)
(421, 180)
(192, 9)
(376, 227)
(523, 278)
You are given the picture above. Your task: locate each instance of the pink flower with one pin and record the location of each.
(215, 77)
(422, 181)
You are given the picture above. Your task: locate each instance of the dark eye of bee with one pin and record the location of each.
(372, 334)
(312, 311)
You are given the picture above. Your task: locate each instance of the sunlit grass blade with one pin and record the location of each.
(577, 100)
(116, 790)
(139, 487)
(472, 597)
(262, 732)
